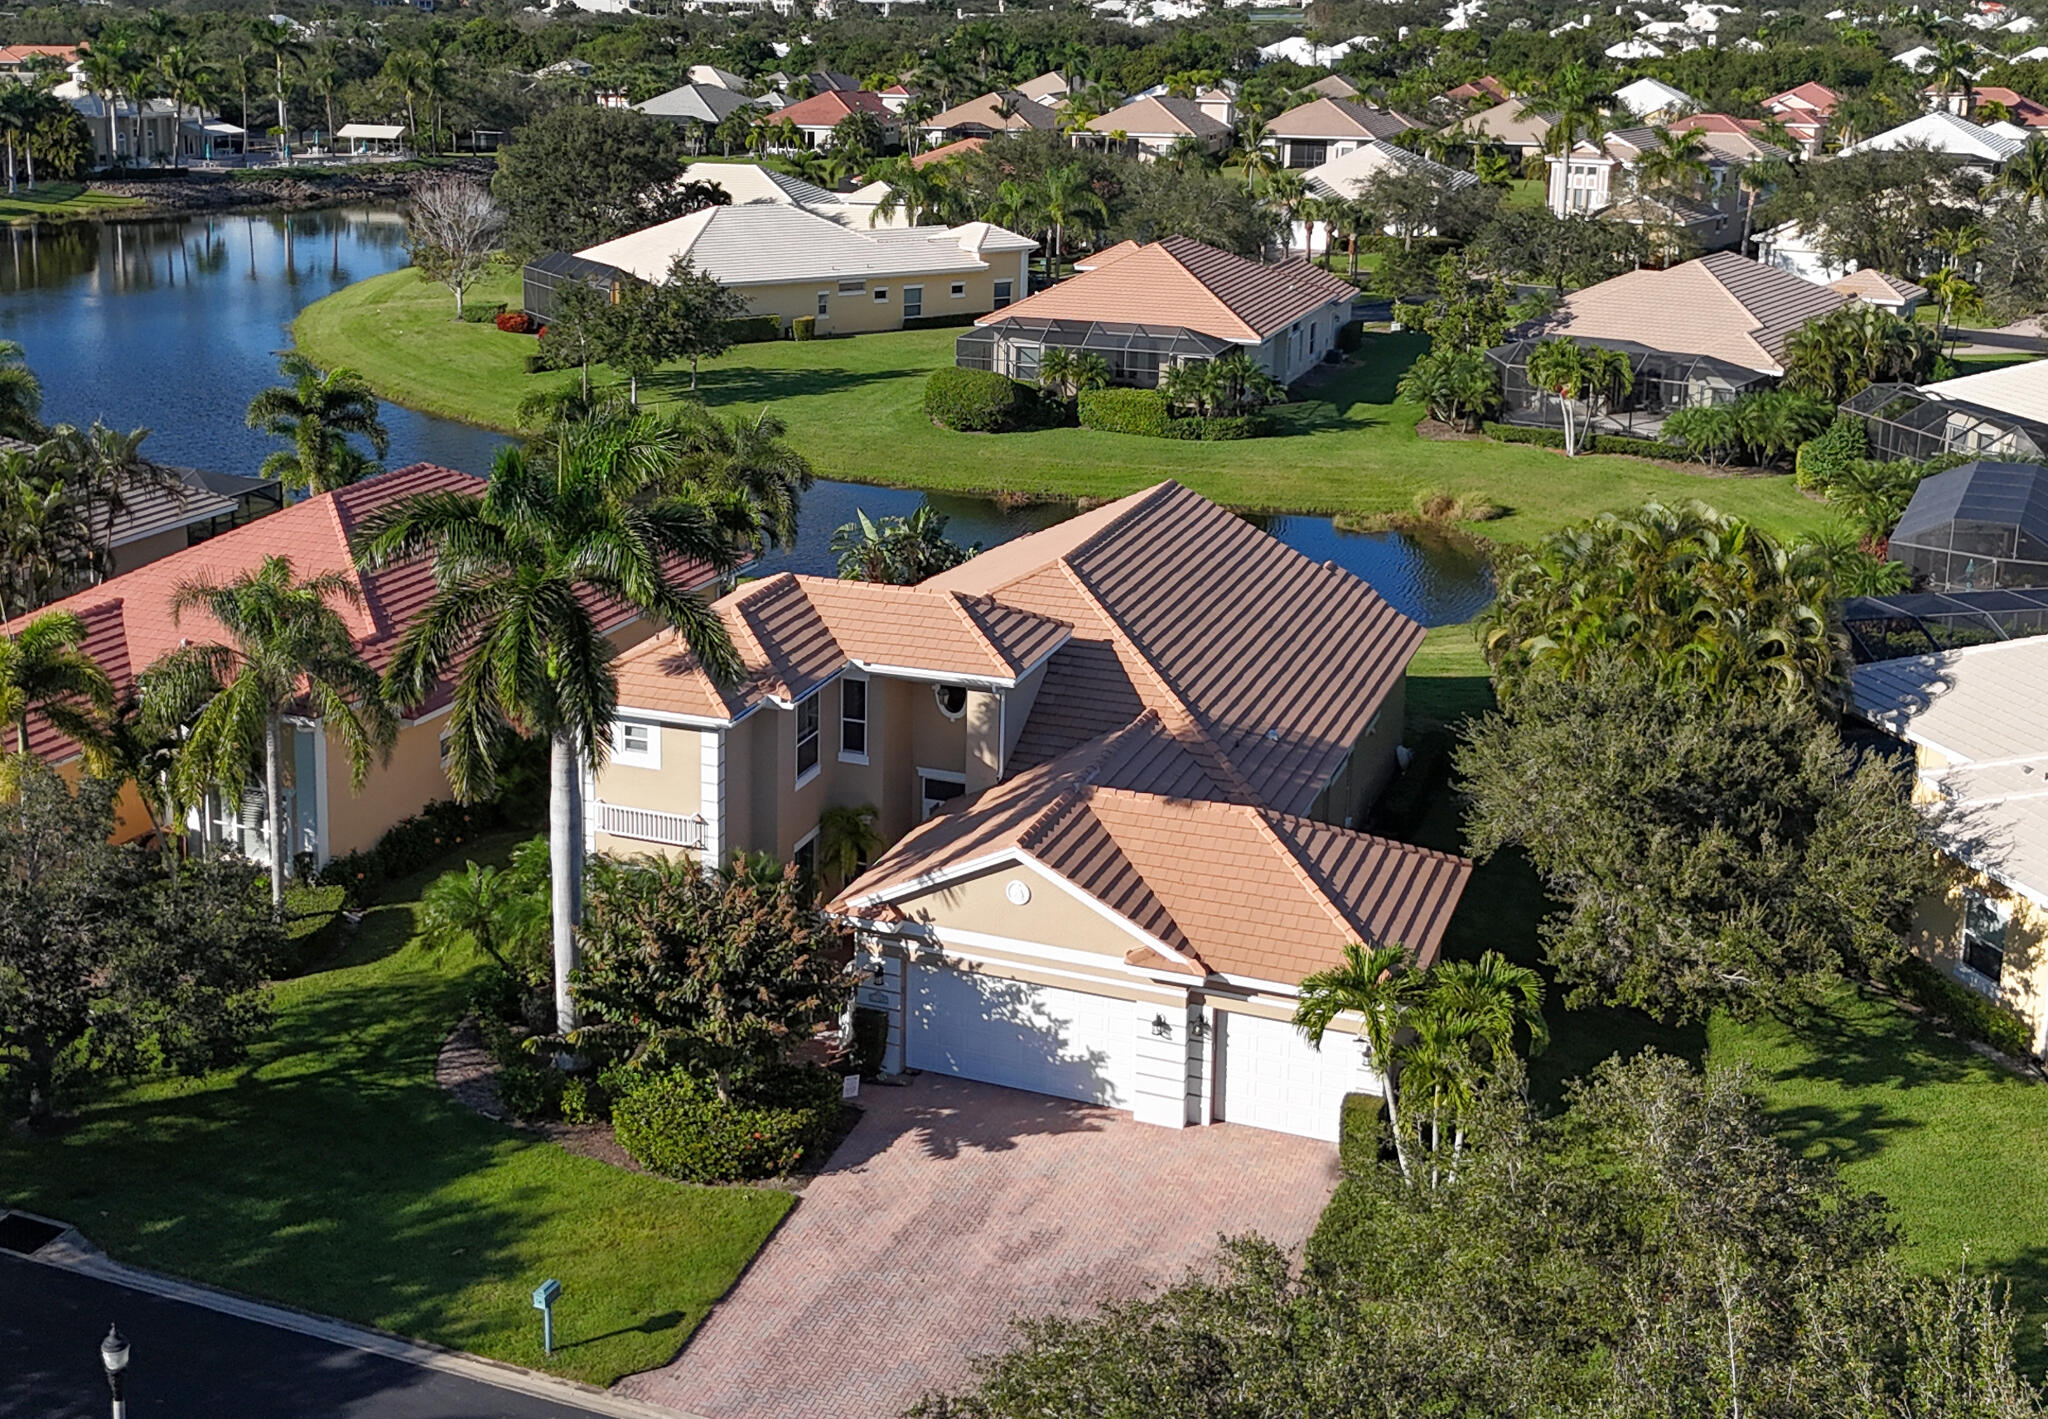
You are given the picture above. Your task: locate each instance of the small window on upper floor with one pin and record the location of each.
(952, 700)
(636, 745)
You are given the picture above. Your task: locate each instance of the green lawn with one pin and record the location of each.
(854, 406)
(1958, 1145)
(330, 1172)
(57, 200)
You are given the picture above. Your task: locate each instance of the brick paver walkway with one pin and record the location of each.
(955, 1206)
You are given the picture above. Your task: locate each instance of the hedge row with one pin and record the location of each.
(1598, 443)
(1222, 429)
(939, 322)
(1125, 411)
(676, 1125)
(754, 329)
(411, 844)
(1523, 433)
(1963, 1008)
(980, 401)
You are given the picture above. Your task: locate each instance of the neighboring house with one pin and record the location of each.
(1601, 178)
(1702, 332)
(1480, 93)
(20, 59)
(1653, 101)
(129, 627)
(817, 116)
(1805, 110)
(897, 97)
(1165, 303)
(1314, 132)
(788, 261)
(1791, 247)
(1145, 128)
(713, 75)
(1920, 57)
(747, 183)
(1887, 293)
(1978, 725)
(1347, 177)
(1997, 413)
(1007, 111)
(1982, 526)
(1943, 132)
(1118, 788)
(124, 132)
(1734, 140)
(1505, 125)
(957, 149)
(1333, 86)
(706, 104)
(2019, 109)
(1632, 49)
(1050, 88)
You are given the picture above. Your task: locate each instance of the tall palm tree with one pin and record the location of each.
(323, 77)
(287, 648)
(105, 469)
(1377, 984)
(512, 627)
(1064, 198)
(1677, 165)
(238, 72)
(186, 82)
(46, 543)
(318, 411)
(21, 394)
(1259, 159)
(2025, 176)
(106, 72)
(1573, 105)
(436, 72)
(1578, 374)
(278, 42)
(1951, 71)
(1286, 191)
(1498, 997)
(45, 671)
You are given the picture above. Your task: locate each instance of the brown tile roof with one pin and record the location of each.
(1163, 116)
(1181, 282)
(1724, 306)
(796, 632)
(1334, 86)
(985, 112)
(958, 148)
(1336, 118)
(1810, 95)
(1294, 894)
(1488, 88)
(1877, 288)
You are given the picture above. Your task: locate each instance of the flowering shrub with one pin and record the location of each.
(517, 322)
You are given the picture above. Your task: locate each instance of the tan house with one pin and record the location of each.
(1148, 127)
(1119, 764)
(1007, 111)
(789, 261)
(1311, 134)
(1506, 125)
(1978, 724)
(129, 625)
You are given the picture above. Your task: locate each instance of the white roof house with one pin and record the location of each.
(1942, 132)
(1347, 176)
(1646, 97)
(2020, 390)
(1917, 58)
(750, 182)
(1635, 49)
(712, 74)
(766, 243)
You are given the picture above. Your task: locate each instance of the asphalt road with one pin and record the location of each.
(191, 1363)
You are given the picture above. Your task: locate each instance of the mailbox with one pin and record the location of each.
(544, 1296)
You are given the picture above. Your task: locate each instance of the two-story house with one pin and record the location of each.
(1120, 767)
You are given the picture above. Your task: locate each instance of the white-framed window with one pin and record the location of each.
(881, 295)
(913, 302)
(852, 288)
(938, 788)
(636, 745)
(1003, 289)
(824, 303)
(952, 700)
(959, 290)
(806, 739)
(805, 856)
(853, 719)
(1984, 923)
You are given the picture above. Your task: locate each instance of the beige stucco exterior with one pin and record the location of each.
(1052, 915)
(1938, 936)
(1370, 767)
(859, 312)
(413, 779)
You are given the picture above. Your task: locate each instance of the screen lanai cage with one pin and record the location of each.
(1135, 354)
(1665, 382)
(1904, 423)
(1979, 527)
(541, 278)
(1924, 622)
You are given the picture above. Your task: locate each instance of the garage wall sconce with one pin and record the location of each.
(1162, 1027)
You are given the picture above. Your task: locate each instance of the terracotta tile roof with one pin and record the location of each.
(1295, 893)
(985, 112)
(1336, 118)
(1334, 86)
(18, 54)
(826, 109)
(1488, 88)
(1109, 255)
(958, 148)
(1163, 116)
(1181, 282)
(1724, 306)
(1816, 97)
(796, 632)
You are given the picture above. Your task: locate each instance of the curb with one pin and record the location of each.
(72, 1252)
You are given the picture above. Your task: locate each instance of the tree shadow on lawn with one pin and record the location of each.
(1316, 416)
(725, 382)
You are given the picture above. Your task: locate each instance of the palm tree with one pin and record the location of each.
(847, 838)
(324, 76)
(496, 911)
(1286, 192)
(512, 626)
(2025, 176)
(1497, 998)
(46, 542)
(106, 73)
(186, 81)
(238, 72)
(104, 468)
(404, 75)
(318, 411)
(45, 671)
(1950, 69)
(286, 649)
(1951, 290)
(900, 551)
(278, 41)
(1440, 1069)
(1377, 984)
(1065, 197)
(435, 70)
(1573, 105)
(1576, 373)
(1259, 160)
(21, 395)
(1677, 165)
(744, 456)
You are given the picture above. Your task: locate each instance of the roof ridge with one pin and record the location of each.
(966, 613)
(380, 624)
(1262, 818)
(1143, 498)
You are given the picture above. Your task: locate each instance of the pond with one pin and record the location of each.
(173, 325)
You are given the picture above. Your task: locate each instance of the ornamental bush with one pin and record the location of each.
(514, 322)
(1523, 433)
(1124, 411)
(1638, 448)
(978, 401)
(411, 844)
(1822, 460)
(754, 329)
(803, 327)
(1965, 1010)
(676, 1125)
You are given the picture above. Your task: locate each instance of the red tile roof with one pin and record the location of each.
(1810, 95)
(958, 148)
(826, 109)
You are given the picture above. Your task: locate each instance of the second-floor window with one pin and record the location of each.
(807, 736)
(853, 719)
(1003, 289)
(636, 745)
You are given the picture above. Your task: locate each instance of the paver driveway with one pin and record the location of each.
(954, 1206)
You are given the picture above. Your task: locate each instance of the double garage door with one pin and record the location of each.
(1074, 1045)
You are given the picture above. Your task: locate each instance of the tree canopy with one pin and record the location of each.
(578, 176)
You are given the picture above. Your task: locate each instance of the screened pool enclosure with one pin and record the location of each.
(542, 277)
(1135, 354)
(1904, 423)
(1664, 382)
(1922, 623)
(1979, 527)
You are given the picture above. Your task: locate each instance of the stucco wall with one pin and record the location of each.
(144, 550)
(1348, 798)
(860, 313)
(413, 779)
(1053, 916)
(676, 786)
(1938, 936)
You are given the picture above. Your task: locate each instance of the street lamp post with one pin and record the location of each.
(114, 1355)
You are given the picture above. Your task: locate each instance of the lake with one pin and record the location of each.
(174, 325)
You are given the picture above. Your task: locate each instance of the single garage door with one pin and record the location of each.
(1271, 1077)
(1036, 1037)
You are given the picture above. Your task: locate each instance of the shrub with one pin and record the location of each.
(536, 364)
(803, 327)
(978, 401)
(940, 322)
(531, 1089)
(584, 1100)
(676, 1125)
(484, 314)
(754, 329)
(1124, 411)
(410, 845)
(1963, 1008)
(1638, 448)
(1361, 1133)
(514, 322)
(1438, 505)
(1524, 433)
(870, 1040)
(1822, 460)
(1231, 427)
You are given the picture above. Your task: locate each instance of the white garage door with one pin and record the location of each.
(1035, 1037)
(1272, 1078)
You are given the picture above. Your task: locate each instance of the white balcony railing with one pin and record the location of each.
(648, 826)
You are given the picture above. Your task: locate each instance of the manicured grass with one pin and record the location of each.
(330, 1172)
(56, 200)
(855, 408)
(1956, 1143)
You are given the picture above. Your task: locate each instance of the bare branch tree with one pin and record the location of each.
(451, 229)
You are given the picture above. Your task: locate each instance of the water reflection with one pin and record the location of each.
(174, 325)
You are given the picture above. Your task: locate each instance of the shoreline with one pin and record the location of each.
(165, 194)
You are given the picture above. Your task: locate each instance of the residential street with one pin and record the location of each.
(191, 1363)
